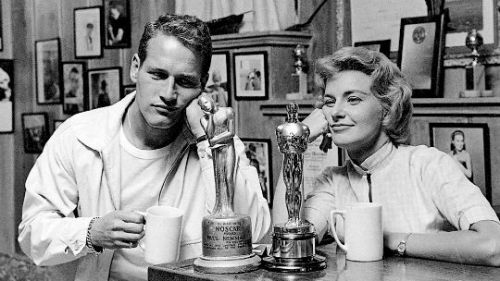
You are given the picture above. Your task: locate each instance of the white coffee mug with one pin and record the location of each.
(363, 234)
(163, 232)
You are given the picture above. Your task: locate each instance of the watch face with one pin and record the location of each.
(401, 248)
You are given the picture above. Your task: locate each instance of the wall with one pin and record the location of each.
(37, 20)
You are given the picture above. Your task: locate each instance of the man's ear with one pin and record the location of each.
(134, 68)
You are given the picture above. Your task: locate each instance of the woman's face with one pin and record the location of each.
(458, 142)
(354, 115)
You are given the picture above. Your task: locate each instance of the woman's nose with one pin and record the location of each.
(335, 111)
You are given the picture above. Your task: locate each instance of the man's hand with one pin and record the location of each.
(317, 124)
(193, 115)
(118, 229)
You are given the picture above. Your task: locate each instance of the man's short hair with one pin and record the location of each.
(189, 30)
(389, 85)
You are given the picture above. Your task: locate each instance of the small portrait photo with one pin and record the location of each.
(117, 23)
(104, 86)
(251, 75)
(258, 152)
(74, 83)
(468, 144)
(88, 32)
(6, 96)
(48, 73)
(218, 82)
(35, 131)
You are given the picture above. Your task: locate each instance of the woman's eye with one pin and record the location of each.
(329, 102)
(353, 100)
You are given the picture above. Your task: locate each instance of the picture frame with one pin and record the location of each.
(467, 14)
(88, 32)
(475, 136)
(258, 152)
(35, 131)
(48, 71)
(218, 85)
(104, 86)
(127, 89)
(421, 51)
(75, 93)
(250, 76)
(117, 24)
(1, 28)
(57, 123)
(383, 46)
(7, 96)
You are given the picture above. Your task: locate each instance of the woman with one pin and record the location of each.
(459, 153)
(367, 109)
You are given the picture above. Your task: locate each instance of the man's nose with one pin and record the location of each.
(169, 89)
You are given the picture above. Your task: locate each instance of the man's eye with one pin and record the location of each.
(159, 75)
(186, 82)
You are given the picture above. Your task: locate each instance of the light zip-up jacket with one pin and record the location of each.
(77, 177)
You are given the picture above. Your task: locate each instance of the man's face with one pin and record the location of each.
(166, 82)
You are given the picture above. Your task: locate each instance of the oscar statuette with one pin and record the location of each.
(293, 248)
(226, 236)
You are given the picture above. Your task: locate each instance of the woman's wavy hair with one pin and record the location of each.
(389, 86)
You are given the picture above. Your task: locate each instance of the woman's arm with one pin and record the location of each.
(468, 162)
(478, 245)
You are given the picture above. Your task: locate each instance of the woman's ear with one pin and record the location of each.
(134, 68)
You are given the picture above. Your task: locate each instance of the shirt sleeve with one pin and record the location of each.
(459, 200)
(248, 197)
(49, 233)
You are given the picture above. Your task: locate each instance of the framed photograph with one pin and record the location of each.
(48, 71)
(218, 80)
(127, 89)
(88, 30)
(57, 123)
(1, 28)
(469, 144)
(6, 96)
(75, 97)
(35, 131)
(467, 14)
(250, 76)
(420, 58)
(383, 46)
(258, 151)
(104, 86)
(117, 23)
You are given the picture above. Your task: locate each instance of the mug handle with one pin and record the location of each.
(141, 242)
(333, 214)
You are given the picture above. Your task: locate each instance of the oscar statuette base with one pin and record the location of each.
(223, 265)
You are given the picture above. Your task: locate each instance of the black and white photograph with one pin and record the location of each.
(383, 46)
(104, 86)
(117, 23)
(48, 71)
(468, 144)
(258, 151)
(75, 95)
(35, 131)
(88, 28)
(218, 80)
(251, 75)
(6, 96)
(420, 57)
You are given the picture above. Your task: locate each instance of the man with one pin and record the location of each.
(102, 166)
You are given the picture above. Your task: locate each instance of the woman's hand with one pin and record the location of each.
(317, 124)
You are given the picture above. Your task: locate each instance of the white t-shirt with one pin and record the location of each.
(142, 173)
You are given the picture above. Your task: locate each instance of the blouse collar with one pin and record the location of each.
(375, 160)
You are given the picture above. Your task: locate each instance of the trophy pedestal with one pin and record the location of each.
(294, 249)
(227, 245)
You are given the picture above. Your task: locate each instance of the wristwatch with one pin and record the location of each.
(401, 249)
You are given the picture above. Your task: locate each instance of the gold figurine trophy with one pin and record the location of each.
(293, 248)
(226, 236)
